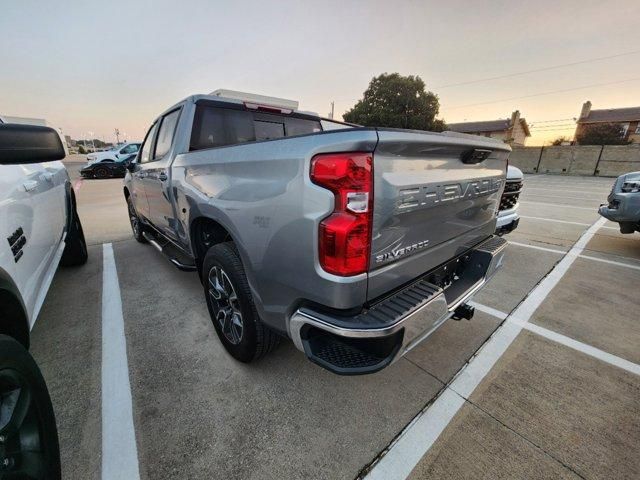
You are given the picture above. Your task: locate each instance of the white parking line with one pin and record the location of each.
(416, 440)
(584, 348)
(536, 247)
(567, 197)
(611, 262)
(555, 220)
(564, 340)
(527, 188)
(582, 255)
(594, 210)
(119, 450)
(489, 310)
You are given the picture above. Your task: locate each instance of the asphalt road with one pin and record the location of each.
(546, 409)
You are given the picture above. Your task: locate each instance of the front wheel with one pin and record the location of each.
(75, 250)
(28, 435)
(231, 306)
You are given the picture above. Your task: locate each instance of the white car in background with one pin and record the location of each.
(114, 154)
(508, 217)
(40, 229)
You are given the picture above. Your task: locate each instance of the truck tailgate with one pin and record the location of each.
(434, 197)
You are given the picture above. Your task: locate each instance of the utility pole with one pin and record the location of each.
(332, 109)
(93, 145)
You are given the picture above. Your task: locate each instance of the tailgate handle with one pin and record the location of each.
(477, 155)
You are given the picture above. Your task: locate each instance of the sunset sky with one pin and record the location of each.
(94, 66)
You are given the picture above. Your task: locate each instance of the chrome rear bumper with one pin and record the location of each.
(387, 329)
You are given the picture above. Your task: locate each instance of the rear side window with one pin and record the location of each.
(217, 127)
(165, 134)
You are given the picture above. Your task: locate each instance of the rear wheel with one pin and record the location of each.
(28, 436)
(75, 250)
(136, 225)
(231, 306)
(101, 172)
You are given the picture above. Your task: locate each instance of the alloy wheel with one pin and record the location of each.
(21, 443)
(226, 305)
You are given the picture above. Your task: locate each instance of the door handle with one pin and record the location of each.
(162, 176)
(30, 185)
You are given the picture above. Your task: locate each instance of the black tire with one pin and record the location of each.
(136, 225)
(30, 437)
(256, 339)
(101, 172)
(75, 250)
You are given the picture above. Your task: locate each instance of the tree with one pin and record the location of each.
(81, 149)
(392, 100)
(559, 141)
(602, 134)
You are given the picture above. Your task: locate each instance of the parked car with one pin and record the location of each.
(508, 217)
(39, 221)
(356, 243)
(108, 168)
(114, 154)
(624, 203)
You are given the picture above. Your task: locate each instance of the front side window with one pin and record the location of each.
(131, 148)
(165, 134)
(146, 146)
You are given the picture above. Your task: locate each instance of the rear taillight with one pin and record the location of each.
(345, 235)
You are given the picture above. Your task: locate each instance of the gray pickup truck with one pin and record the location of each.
(354, 242)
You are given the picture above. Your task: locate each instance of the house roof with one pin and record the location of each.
(476, 127)
(631, 114)
(487, 126)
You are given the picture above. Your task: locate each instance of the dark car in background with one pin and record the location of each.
(108, 168)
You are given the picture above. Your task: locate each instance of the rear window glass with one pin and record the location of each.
(217, 127)
(268, 130)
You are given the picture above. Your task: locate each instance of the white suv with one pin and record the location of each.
(40, 228)
(114, 154)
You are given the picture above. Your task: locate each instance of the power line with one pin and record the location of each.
(544, 69)
(532, 125)
(554, 129)
(553, 121)
(545, 93)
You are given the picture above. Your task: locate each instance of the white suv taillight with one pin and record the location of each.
(345, 235)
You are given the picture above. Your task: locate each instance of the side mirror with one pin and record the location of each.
(20, 144)
(131, 164)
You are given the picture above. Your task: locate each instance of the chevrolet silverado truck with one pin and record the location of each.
(623, 205)
(354, 242)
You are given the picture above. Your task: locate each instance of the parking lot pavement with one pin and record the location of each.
(547, 408)
(66, 343)
(544, 411)
(196, 409)
(598, 308)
